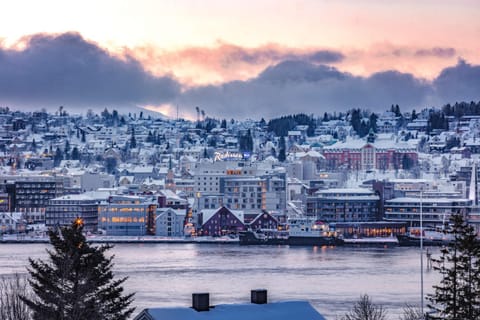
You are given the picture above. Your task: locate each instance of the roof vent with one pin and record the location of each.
(258, 296)
(201, 301)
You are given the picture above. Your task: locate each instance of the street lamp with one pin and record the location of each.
(421, 252)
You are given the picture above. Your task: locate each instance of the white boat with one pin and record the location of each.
(309, 231)
(431, 237)
(371, 241)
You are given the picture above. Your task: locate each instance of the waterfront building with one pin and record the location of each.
(252, 194)
(12, 222)
(240, 185)
(30, 194)
(344, 205)
(244, 193)
(170, 222)
(435, 211)
(4, 202)
(170, 199)
(127, 215)
(263, 220)
(62, 211)
(221, 222)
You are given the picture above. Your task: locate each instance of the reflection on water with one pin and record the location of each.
(331, 278)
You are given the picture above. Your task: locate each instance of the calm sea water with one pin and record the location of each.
(332, 279)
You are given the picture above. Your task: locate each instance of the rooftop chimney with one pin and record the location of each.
(258, 296)
(200, 301)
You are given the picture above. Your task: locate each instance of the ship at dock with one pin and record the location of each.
(430, 236)
(301, 231)
(308, 231)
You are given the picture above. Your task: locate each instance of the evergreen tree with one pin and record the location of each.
(325, 117)
(414, 115)
(282, 153)
(133, 141)
(75, 154)
(67, 146)
(273, 152)
(115, 117)
(223, 124)
(150, 137)
(407, 163)
(457, 297)
(397, 111)
(58, 157)
(77, 281)
(373, 122)
(110, 164)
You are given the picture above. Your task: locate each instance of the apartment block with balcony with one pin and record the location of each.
(64, 210)
(434, 211)
(344, 205)
(31, 194)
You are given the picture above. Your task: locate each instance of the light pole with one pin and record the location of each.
(421, 253)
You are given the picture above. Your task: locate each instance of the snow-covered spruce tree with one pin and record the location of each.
(457, 297)
(77, 282)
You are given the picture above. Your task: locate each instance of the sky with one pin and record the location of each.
(244, 59)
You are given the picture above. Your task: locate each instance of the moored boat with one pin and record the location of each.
(307, 231)
(263, 237)
(371, 241)
(431, 237)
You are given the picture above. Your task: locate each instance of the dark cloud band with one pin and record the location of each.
(65, 69)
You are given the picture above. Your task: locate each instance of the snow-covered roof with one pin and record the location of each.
(298, 310)
(146, 169)
(153, 182)
(170, 194)
(209, 213)
(408, 180)
(75, 197)
(362, 191)
(380, 143)
(426, 200)
(177, 212)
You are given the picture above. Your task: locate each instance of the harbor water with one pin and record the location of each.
(331, 278)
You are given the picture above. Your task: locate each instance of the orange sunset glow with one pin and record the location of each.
(198, 44)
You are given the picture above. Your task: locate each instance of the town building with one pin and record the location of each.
(12, 222)
(381, 154)
(170, 222)
(63, 211)
(433, 211)
(127, 215)
(30, 194)
(344, 205)
(221, 222)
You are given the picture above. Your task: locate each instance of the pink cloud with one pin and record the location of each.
(226, 62)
